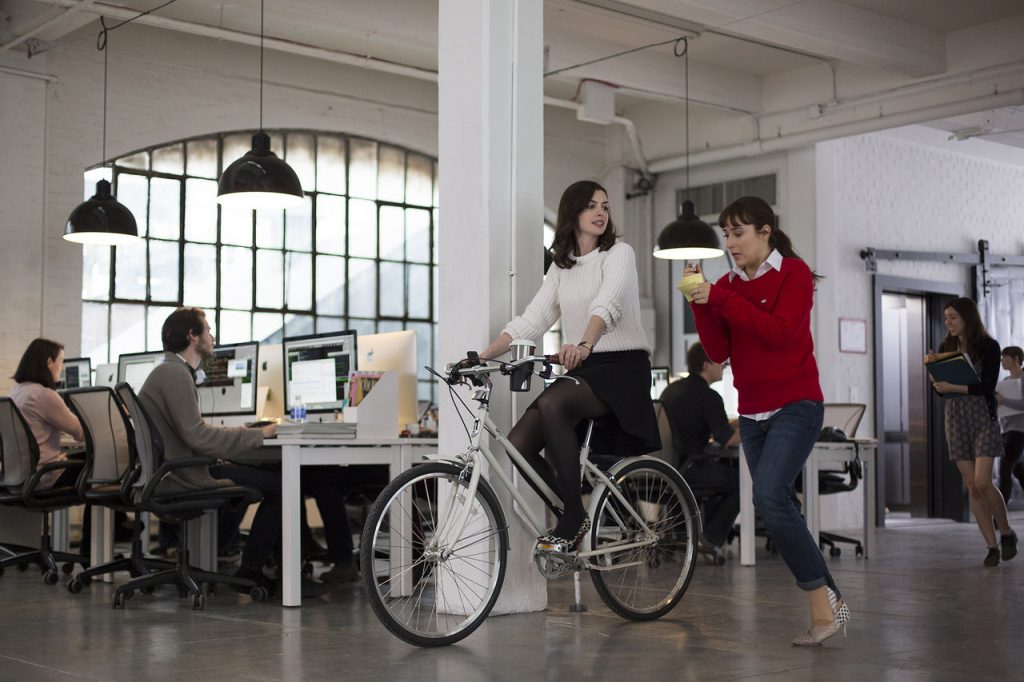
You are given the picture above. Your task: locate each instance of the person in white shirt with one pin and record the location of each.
(44, 411)
(1011, 420)
(593, 288)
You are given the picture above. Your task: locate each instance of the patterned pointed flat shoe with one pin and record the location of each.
(552, 544)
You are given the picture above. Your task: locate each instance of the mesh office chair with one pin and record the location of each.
(110, 472)
(20, 476)
(840, 424)
(180, 506)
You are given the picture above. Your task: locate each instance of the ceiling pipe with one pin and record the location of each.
(49, 78)
(884, 122)
(626, 123)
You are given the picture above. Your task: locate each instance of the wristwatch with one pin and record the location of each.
(586, 344)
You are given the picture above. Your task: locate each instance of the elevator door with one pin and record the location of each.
(903, 403)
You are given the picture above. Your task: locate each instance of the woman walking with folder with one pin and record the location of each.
(759, 317)
(972, 431)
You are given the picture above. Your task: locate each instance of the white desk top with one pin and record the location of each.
(300, 439)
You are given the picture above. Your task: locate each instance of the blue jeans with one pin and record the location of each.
(776, 450)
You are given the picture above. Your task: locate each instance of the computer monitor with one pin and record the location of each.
(659, 381)
(316, 370)
(229, 388)
(77, 373)
(270, 382)
(135, 367)
(106, 374)
(394, 351)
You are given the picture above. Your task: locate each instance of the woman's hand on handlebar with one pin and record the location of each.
(572, 356)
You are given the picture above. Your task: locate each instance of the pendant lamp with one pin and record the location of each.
(259, 179)
(102, 219)
(687, 237)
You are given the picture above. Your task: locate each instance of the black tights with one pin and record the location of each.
(1009, 466)
(549, 424)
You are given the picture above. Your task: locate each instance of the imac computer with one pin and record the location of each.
(316, 371)
(270, 382)
(77, 373)
(106, 374)
(134, 368)
(227, 396)
(394, 351)
(659, 381)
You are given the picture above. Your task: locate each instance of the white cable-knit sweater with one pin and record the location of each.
(602, 283)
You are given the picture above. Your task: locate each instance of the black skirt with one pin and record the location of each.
(622, 379)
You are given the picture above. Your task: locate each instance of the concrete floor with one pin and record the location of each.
(923, 609)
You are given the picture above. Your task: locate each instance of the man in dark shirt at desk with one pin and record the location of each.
(696, 413)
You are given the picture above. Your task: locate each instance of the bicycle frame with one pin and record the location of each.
(479, 451)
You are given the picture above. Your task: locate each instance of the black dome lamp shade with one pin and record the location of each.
(688, 238)
(260, 179)
(102, 219)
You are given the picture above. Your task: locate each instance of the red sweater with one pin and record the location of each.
(763, 327)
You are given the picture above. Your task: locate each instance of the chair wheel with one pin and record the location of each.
(258, 593)
(119, 600)
(51, 577)
(307, 569)
(22, 568)
(198, 601)
(859, 551)
(835, 552)
(719, 560)
(211, 588)
(148, 589)
(67, 568)
(75, 585)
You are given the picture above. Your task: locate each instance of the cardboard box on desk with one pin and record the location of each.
(377, 415)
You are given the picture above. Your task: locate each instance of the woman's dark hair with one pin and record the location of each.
(1015, 352)
(574, 199)
(33, 365)
(757, 212)
(178, 325)
(974, 328)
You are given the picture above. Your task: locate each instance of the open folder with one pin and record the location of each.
(953, 367)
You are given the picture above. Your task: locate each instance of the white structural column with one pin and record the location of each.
(490, 152)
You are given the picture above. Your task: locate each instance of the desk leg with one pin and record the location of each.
(202, 542)
(59, 524)
(291, 546)
(101, 542)
(812, 513)
(747, 549)
(401, 552)
(870, 493)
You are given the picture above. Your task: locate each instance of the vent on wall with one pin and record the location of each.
(711, 199)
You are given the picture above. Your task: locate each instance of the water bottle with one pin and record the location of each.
(298, 409)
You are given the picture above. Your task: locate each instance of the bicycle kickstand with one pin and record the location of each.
(578, 606)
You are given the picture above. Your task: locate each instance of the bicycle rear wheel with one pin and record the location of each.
(423, 587)
(646, 582)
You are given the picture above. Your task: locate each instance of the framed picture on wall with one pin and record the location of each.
(853, 335)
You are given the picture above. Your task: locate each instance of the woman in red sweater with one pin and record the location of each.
(758, 317)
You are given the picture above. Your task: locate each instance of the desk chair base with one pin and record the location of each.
(137, 563)
(191, 581)
(46, 558)
(830, 540)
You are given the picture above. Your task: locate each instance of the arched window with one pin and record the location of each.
(359, 254)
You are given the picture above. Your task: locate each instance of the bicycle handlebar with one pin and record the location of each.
(456, 373)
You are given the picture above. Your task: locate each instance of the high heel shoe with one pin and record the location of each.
(552, 544)
(819, 633)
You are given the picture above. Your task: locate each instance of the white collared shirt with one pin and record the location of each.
(772, 262)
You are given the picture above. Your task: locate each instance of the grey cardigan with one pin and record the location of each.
(172, 401)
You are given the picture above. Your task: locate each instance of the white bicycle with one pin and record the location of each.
(435, 544)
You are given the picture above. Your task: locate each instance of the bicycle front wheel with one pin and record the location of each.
(646, 582)
(425, 587)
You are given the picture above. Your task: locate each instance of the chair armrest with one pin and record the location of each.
(170, 466)
(30, 484)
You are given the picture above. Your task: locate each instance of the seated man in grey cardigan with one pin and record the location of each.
(171, 399)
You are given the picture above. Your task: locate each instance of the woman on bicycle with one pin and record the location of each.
(593, 289)
(758, 317)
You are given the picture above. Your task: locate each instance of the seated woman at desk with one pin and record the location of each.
(45, 413)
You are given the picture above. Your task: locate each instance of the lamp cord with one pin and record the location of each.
(101, 45)
(685, 54)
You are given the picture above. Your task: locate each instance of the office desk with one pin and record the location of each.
(823, 458)
(298, 451)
